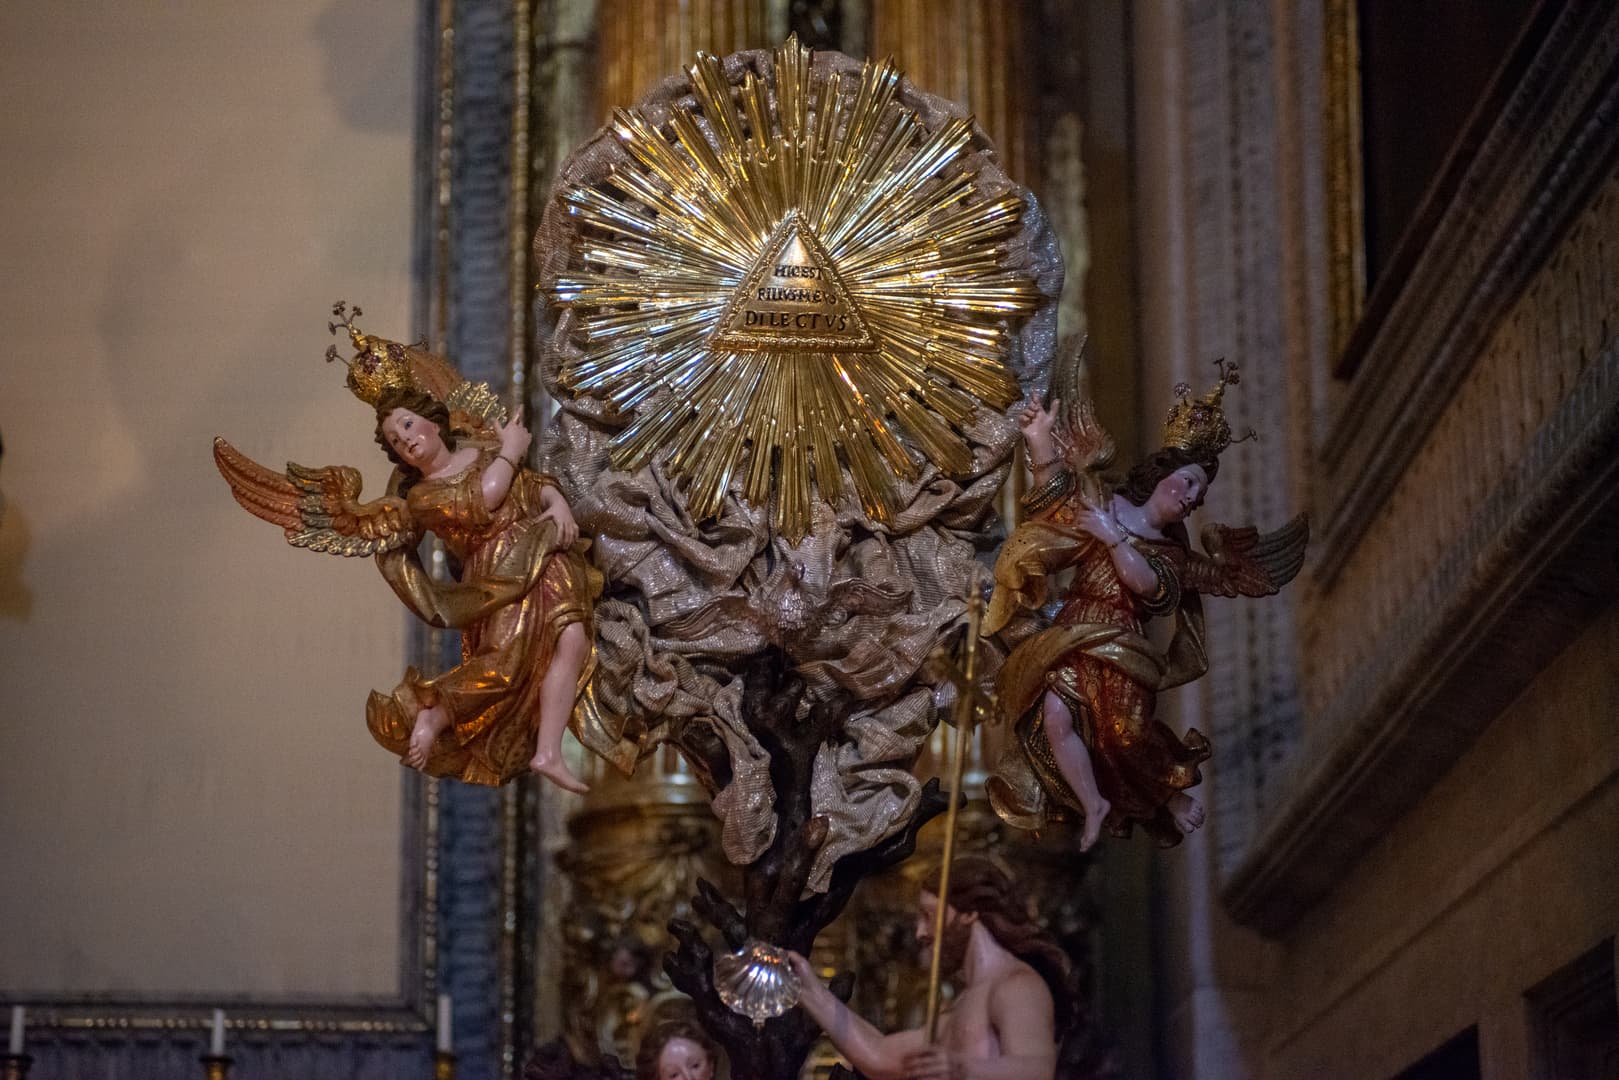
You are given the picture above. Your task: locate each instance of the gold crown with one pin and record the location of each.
(1199, 426)
(378, 365)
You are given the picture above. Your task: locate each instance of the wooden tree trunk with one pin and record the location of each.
(774, 908)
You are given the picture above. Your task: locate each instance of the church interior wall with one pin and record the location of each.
(1499, 877)
(1309, 932)
(191, 806)
(184, 776)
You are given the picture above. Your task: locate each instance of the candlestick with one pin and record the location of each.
(15, 1066)
(215, 1066)
(446, 1039)
(19, 1021)
(216, 1040)
(443, 1065)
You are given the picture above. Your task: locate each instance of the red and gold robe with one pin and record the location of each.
(1098, 660)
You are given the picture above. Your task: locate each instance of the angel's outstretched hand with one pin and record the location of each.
(514, 437)
(1036, 422)
(1036, 419)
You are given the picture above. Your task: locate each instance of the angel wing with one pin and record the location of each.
(473, 406)
(319, 509)
(1246, 562)
(1085, 441)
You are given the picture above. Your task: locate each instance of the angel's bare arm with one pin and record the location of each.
(554, 507)
(499, 473)
(1134, 569)
(1036, 423)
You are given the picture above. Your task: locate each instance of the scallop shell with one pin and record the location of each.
(757, 982)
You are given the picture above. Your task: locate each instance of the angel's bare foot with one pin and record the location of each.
(1187, 812)
(430, 723)
(549, 764)
(1095, 816)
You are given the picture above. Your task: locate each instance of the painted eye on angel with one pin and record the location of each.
(524, 594)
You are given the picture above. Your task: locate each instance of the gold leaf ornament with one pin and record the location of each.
(795, 284)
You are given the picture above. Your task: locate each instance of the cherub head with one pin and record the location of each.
(676, 1050)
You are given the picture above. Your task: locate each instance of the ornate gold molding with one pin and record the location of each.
(639, 846)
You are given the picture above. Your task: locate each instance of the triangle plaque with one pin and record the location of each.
(792, 300)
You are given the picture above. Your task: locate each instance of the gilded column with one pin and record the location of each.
(969, 51)
(642, 42)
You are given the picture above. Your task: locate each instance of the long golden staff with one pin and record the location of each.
(968, 701)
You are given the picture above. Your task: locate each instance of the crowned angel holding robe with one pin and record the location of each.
(1081, 693)
(522, 593)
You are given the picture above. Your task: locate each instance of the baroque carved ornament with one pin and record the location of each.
(794, 283)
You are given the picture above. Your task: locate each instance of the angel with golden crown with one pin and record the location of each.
(523, 594)
(1081, 693)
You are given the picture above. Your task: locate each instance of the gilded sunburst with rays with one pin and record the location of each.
(799, 282)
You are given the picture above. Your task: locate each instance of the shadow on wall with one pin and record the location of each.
(364, 82)
(15, 600)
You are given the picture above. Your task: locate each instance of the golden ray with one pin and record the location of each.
(793, 287)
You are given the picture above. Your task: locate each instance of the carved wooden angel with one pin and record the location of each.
(1081, 693)
(523, 594)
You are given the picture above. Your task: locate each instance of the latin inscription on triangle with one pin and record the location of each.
(792, 300)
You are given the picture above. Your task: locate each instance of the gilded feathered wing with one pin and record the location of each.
(1086, 443)
(1246, 562)
(319, 509)
(474, 408)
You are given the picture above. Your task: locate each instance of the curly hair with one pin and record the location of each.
(1140, 481)
(423, 405)
(661, 1035)
(978, 886)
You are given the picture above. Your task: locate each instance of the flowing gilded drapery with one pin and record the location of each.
(518, 591)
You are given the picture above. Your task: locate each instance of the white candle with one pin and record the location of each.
(216, 1042)
(18, 1022)
(445, 1038)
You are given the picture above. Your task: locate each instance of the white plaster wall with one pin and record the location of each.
(189, 801)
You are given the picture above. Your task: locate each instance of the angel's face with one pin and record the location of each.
(415, 439)
(1178, 494)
